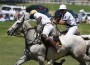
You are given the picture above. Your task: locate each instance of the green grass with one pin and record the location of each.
(11, 47)
(84, 28)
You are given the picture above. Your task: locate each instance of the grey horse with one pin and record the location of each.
(36, 50)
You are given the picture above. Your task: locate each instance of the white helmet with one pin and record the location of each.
(62, 7)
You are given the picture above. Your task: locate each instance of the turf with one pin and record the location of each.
(11, 47)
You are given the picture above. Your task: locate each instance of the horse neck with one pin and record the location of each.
(27, 24)
(30, 35)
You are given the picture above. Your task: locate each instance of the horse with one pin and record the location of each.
(35, 49)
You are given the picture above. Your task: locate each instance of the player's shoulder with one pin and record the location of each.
(68, 13)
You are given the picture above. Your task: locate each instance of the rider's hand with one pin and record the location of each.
(55, 22)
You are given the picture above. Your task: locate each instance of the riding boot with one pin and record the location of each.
(55, 44)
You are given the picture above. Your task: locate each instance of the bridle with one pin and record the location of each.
(20, 24)
(38, 37)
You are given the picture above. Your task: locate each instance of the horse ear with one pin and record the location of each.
(23, 18)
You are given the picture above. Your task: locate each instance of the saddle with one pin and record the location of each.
(54, 35)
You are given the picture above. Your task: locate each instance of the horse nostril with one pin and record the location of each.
(8, 33)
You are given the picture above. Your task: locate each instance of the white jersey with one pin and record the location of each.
(44, 19)
(48, 27)
(71, 23)
(69, 19)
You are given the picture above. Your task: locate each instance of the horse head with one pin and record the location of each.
(18, 26)
(23, 26)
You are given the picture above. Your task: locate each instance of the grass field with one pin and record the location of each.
(11, 48)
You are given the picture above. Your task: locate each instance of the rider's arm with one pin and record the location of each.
(62, 22)
(38, 20)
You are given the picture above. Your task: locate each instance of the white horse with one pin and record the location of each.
(36, 50)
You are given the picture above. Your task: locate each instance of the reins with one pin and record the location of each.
(37, 36)
(20, 24)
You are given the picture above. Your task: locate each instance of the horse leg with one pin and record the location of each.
(80, 61)
(88, 53)
(83, 57)
(22, 60)
(51, 62)
(79, 53)
(86, 58)
(41, 60)
(87, 42)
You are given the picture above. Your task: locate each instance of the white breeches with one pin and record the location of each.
(72, 30)
(47, 29)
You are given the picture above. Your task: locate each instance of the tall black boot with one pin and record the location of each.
(55, 44)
